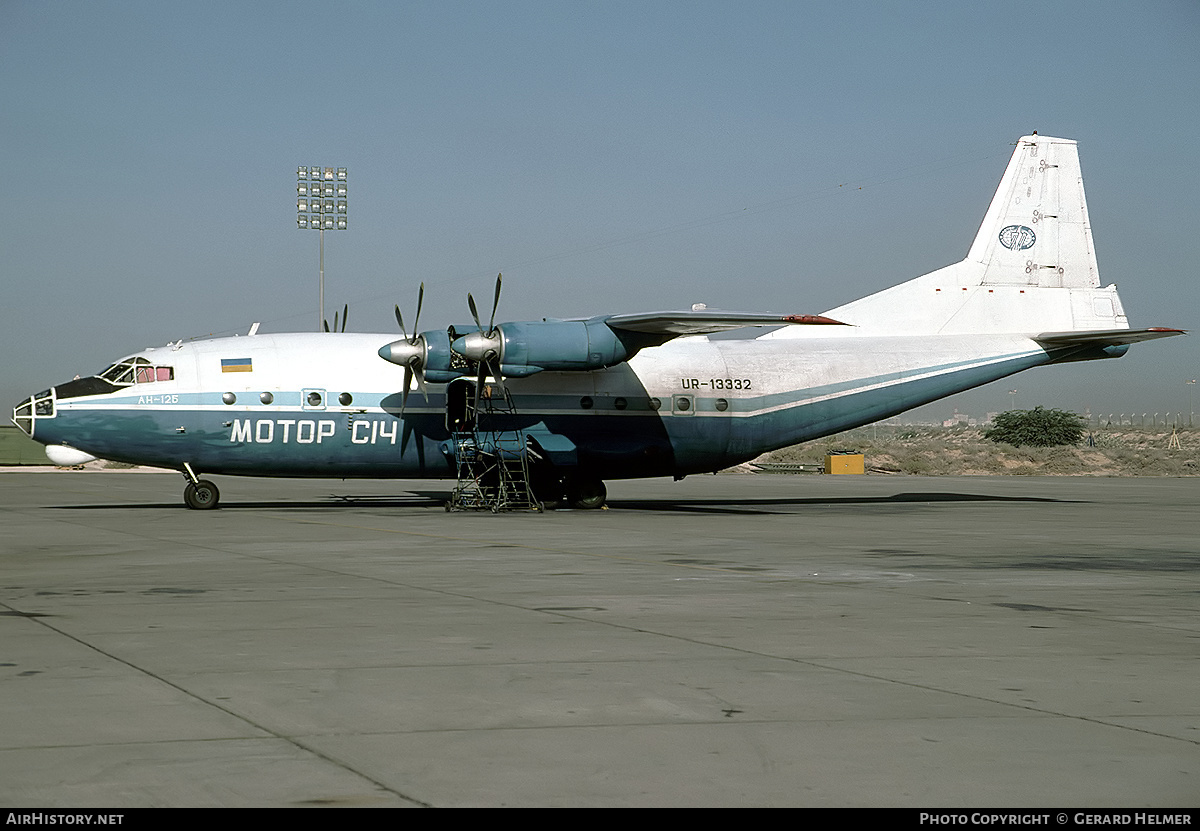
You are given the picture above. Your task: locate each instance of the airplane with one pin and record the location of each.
(613, 396)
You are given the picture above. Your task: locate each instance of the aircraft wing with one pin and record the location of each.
(1104, 337)
(706, 321)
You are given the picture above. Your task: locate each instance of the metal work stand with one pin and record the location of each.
(493, 463)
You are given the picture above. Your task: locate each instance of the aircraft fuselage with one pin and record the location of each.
(313, 405)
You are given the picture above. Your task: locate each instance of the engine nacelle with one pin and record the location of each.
(563, 346)
(521, 349)
(440, 360)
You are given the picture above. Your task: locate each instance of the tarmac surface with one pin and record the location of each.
(722, 641)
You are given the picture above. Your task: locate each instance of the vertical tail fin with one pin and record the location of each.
(1032, 267)
(1036, 231)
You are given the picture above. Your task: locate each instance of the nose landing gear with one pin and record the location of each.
(202, 495)
(199, 494)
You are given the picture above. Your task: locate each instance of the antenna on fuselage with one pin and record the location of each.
(345, 317)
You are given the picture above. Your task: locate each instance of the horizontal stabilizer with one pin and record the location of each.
(1105, 337)
(703, 322)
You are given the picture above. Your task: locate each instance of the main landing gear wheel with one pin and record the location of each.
(202, 495)
(587, 494)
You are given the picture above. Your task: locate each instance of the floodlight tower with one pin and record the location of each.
(321, 204)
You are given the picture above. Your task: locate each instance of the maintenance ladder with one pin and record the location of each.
(492, 462)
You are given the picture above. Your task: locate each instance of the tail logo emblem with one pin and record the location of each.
(1017, 237)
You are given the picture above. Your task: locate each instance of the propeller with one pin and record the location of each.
(412, 353)
(483, 347)
(345, 317)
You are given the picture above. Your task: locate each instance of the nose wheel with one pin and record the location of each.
(199, 494)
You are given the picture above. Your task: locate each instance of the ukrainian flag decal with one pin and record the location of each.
(236, 365)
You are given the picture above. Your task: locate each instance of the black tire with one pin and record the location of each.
(201, 496)
(587, 494)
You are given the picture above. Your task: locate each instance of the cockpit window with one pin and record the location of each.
(150, 374)
(137, 371)
(121, 373)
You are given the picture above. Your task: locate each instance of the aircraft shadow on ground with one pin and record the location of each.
(407, 499)
(438, 499)
(752, 506)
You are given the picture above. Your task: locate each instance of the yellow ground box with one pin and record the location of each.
(845, 463)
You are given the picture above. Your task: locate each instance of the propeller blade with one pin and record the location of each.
(408, 374)
(326, 324)
(495, 305)
(400, 320)
(335, 322)
(345, 316)
(421, 381)
(474, 311)
(420, 300)
(478, 389)
(494, 368)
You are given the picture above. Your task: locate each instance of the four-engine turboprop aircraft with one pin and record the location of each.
(617, 396)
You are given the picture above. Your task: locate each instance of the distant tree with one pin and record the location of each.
(1038, 427)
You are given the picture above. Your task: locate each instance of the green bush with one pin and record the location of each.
(1038, 427)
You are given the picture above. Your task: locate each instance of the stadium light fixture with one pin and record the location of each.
(321, 200)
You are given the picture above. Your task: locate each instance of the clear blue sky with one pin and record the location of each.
(606, 156)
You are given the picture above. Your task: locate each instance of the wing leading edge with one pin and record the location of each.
(703, 322)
